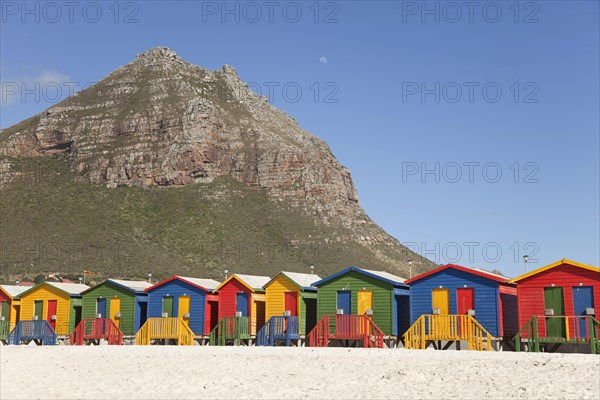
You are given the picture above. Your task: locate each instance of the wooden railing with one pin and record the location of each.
(450, 327)
(96, 329)
(39, 331)
(165, 328)
(278, 328)
(229, 329)
(577, 329)
(346, 327)
(4, 330)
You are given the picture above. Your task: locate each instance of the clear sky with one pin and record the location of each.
(425, 102)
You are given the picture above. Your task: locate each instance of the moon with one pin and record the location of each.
(323, 60)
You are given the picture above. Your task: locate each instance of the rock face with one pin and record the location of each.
(161, 121)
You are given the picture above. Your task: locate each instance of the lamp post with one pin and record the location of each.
(149, 278)
(525, 259)
(312, 269)
(410, 268)
(226, 271)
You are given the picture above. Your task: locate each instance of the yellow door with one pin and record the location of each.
(440, 298)
(184, 308)
(365, 301)
(115, 308)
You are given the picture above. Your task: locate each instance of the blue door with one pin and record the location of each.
(241, 303)
(583, 297)
(344, 301)
(101, 307)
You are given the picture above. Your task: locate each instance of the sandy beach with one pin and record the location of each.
(169, 372)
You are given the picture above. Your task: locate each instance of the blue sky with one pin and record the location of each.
(363, 68)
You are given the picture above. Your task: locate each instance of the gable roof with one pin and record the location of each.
(303, 281)
(205, 284)
(72, 289)
(14, 290)
(132, 286)
(475, 271)
(136, 286)
(252, 282)
(381, 275)
(554, 265)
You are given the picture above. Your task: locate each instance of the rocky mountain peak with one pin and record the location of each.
(161, 121)
(158, 54)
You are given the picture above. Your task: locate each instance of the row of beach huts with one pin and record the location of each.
(549, 309)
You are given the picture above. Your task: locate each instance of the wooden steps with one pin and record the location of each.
(165, 329)
(91, 331)
(430, 328)
(346, 328)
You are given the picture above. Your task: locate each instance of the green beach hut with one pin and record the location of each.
(125, 302)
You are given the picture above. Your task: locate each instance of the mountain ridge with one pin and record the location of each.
(160, 121)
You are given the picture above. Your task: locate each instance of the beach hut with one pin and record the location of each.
(291, 308)
(10, 307)
(112, 309)
(293, 292)
(123, 301)
(449, 299)
(558, 305)
(56, 302)
(360, 304)
(180, 304)
(241, 307)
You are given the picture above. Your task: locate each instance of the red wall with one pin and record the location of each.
(227, 298)
(531, 292)
(207, 314)
(3, 298)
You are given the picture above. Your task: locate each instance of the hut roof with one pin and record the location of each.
(381, 275)
(72, 289)
(252, 282)
(303, 281)
(554, 265)
(205, 284)
(474, 271)
(14, 290)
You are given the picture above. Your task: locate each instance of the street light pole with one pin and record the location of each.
(409, 269)
(525, 259)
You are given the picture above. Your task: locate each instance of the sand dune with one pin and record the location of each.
(161, 372)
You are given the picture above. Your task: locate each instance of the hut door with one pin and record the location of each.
(553, 299)
(465, 299)
(440, 298)
(115, 308)
(17, 311)
(184, 308)
(344, 301)
(365, 301)
(242, 303)
(38, 310)
(5, 311)
(583, 297)
(101, 308)
(51, 312)
(291, 303)
(167, 306)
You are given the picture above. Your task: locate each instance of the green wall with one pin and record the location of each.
(108, 290)
(75, 302)
(354, 281)
(304, 310)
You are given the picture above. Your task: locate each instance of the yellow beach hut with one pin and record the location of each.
(292, 292)
(56, 302)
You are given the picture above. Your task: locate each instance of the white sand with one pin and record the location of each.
(160, 372)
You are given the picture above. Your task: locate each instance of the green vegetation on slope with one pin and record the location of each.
(51, 222)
